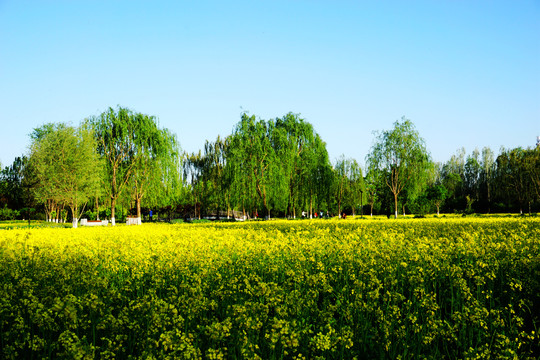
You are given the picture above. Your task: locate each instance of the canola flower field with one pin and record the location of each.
(321, 289)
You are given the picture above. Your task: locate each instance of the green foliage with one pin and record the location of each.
(142, 161)
(200, 221)
(9, 214)
(90, 215)
(402, 160)
(155, 176)
(517, 176)
(35, 224)
(436, 194)
(280, 164)
(349, 186)
(66, 167)
(15, 183)
(114, 132)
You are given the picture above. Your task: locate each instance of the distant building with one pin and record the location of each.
(538, 141)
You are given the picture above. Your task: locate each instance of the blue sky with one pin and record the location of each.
(467, 73)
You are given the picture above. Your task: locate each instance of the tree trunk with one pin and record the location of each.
(310, 207)
(488, 198)
(265, 203)
(113, 206)
(74, 214)
(396, 206)
(97, 209)
(139, 222)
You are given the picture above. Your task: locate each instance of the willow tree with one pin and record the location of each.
(166, 187)
(341, 182)
(154, 156)
(276, 164)
(356, 191)
(371, 182)
(193, 169)
(115, 135)
(254, 154)
(349, 187)
(317, 177)
(297, 138)
(213, 163)
(242, 185)
(400, 155)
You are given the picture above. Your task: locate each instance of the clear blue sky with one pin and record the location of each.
(467, 73)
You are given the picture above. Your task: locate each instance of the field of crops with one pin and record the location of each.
(321, 289)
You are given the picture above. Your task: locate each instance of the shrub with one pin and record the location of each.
(9, 214)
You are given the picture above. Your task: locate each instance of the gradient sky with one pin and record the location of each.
(467, 73)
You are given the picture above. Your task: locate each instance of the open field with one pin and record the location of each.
(413, 288)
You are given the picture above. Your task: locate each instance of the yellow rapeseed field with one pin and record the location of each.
(313, 289)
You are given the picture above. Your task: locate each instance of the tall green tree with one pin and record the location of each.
(167, 187)
(47, 195)
(436, 193)
(349, 185)
(357, 188)
(452, 176)
(154, 156)
(341, 181)
(532, 167)
(13, 190)
(209, 175)
(262, 173)
(318, 178)
(372, 194)
(513, 179)
(472, 175)
(193, 170)
(66, 166)
(399, 154)
(413, 196)
(487, 175)
(280, 165)
(115, 132)
(297, 140)
(241, 184)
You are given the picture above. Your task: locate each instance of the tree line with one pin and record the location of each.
(121, 163)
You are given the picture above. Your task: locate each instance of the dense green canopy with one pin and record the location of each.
(121, 162)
